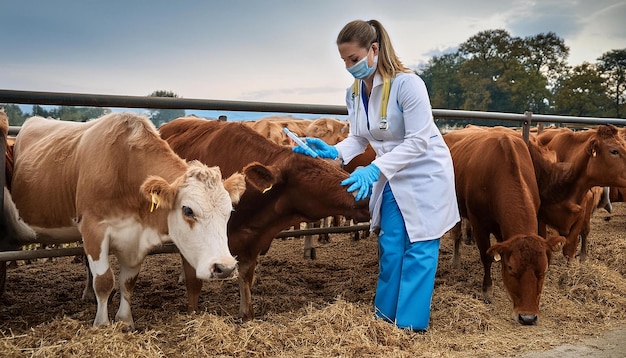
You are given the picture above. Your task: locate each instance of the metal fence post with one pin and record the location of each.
(526, 126)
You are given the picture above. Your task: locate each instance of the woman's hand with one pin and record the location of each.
(320, 147)
(362, 180)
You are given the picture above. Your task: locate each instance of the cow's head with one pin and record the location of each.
(525, 260)
(607, 157)
(309, 187)
(199, 205)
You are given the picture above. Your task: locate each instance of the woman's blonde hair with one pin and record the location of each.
(365, 33)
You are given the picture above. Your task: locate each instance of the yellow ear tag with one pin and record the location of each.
(155, 202)
(267, 189)
(593, 153)
(496, 257)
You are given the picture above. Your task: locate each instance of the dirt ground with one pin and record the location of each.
(322, 308)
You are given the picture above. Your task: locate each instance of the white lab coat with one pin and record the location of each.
(410, 154)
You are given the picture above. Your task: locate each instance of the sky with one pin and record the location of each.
(279, 51)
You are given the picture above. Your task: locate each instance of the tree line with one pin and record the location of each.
(491, 71)
(494, 71)
(83, 114)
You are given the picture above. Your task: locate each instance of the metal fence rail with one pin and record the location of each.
(525, 120)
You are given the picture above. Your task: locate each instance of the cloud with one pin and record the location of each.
(274, 50)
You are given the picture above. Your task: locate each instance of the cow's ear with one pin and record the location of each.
(496, 250)
(261, 177)
(159, 193)
(555, 242)
(235, 185)
(592, 149)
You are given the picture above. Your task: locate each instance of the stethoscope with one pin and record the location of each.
(383, 125)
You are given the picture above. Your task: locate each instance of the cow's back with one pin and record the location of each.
(495, 178)
(86, 166)
(45, 163)
(214, 142)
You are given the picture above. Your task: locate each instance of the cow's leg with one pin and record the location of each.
(88, 293)
(96, 246)
(325, 222)
(309, 250)
(3, 276)
(605, 200)
(128, 277)
(586, 224)
(193, 284)
(466, 232)
(572, 238)
(483, 242)
(456, 234)
(246, 278)
(103, 282)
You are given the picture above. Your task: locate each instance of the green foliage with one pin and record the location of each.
(160, 116)
(441, 78)
(70, 113)
(64, 113)
(612, 66)
(494, 71)
(14, 112)
(581, 92)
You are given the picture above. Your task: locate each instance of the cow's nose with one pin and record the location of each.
(527, 319)
(223, 271)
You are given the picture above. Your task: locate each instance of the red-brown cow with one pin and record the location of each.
(497, 191)
(304, 189)
(598, 158)
(116, 184)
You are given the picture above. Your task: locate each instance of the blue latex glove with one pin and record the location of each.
(323, 149)
(362, 180)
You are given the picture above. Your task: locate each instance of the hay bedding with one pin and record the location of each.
(316, 308)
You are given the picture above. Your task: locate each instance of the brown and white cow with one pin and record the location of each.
(598, 158)
(497, 191)
(303, 189)
(114, 182)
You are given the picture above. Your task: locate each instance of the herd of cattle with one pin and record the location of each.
(221, 191)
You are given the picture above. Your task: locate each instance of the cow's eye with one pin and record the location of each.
(188, 212)
(615, 152)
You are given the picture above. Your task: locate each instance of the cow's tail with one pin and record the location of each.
(13, 230)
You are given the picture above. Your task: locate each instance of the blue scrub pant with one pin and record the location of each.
(406, 277)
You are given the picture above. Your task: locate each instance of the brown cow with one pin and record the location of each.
(330, 130)
(304, 189)
(116, 184)
(497, 191)
(598, 158)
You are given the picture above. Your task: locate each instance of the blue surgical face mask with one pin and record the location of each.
(361, 70)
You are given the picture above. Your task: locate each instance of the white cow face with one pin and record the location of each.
(199, 205)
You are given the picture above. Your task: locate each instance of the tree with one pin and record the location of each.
(160, 116)
(15, 114)
(510, 74)
(441, 78)
(487, 55)
(581, 92)
(612, 66)
(544, 57)
(40, 111)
